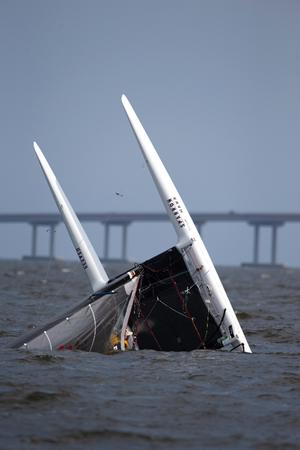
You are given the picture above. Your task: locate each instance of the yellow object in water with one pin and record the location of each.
(116, 342)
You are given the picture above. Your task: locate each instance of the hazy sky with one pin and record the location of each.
(215, 83)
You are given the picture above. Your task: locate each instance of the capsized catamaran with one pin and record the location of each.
(174, 301)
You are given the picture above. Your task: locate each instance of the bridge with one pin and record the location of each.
(256, 220)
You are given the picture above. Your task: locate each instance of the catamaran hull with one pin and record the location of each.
(189, 242)
(173, 302)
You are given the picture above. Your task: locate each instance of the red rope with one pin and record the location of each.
(145, 319)
(184, 307)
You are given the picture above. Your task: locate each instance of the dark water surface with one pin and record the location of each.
(148, 399)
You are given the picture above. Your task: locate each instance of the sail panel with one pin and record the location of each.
(169, 312)
(94, 325)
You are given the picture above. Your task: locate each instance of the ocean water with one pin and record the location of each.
(148, 399)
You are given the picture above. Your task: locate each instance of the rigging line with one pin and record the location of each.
(152, 333)
(173, 309)
(177, 290)
(185, 307)
(188, 288)
(163, 269)
(122, 305)
(202, 342)
(119, 305)
(151, 269)
(83, 337)
(207, 323)
(96, 296)
(46, 334)
(149, 313)
(150, 329)
(218, 327)
(165, 281)
(95, 328)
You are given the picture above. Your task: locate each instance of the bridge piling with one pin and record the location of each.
(51, 241)
(124, 238)
(273, 226)
(106, 240)
(274, 244)
(108, 219)
(124, 241)
(256, 244)
(33, 240)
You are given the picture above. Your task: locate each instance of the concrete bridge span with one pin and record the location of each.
(256, 220)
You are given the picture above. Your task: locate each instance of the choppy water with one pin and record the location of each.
(147, 399)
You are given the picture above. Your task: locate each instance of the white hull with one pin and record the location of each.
(84, 249)
(190, 243)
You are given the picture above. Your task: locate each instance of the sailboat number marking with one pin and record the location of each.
(175, 207)
(82, 259)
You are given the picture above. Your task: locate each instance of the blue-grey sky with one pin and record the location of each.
(215, 83)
